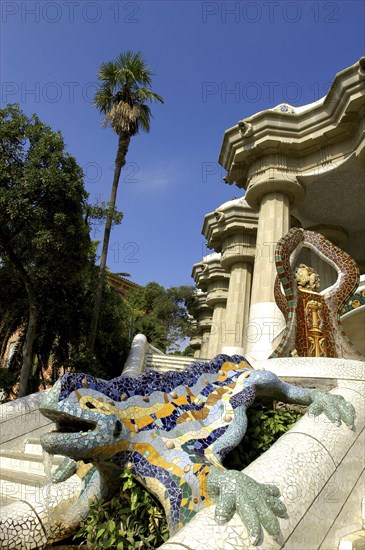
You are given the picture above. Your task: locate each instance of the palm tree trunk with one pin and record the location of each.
(120, 160)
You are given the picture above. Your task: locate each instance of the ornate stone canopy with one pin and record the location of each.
(315, 154)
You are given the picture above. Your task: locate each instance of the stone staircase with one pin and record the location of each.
(31, 508)
(24, 473)
(169, 362)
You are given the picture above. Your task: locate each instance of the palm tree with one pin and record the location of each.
(121, 97)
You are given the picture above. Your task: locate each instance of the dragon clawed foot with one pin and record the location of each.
(257, 504)
(335, 407)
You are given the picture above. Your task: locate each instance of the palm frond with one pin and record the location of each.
(138, 66)
(124, 91)
(103, 99)
(145, 118)
(147, 95)
(108, 73)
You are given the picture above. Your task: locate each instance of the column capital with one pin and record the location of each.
(239, 251)
(230, 218)
(216, 296)
(209, 271)
(274, 181)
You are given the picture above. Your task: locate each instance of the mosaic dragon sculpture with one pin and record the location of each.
(173, 430)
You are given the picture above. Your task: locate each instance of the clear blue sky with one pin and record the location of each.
(263, 52)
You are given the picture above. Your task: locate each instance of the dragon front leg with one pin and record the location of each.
(65, 470)
(258, 504)
(335, 407)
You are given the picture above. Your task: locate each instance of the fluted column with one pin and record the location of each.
(238, 251)
(217, 332)
(210, 277)
(196, 340)
(237, 309)
(274, 197)
(274, 223)
(205, 320)
(203, 315)
(204, 348)
(231, 230)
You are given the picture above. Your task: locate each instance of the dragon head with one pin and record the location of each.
(87, 419)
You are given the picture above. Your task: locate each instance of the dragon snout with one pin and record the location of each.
(49, 403)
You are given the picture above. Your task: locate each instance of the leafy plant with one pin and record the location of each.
(265, 425)
(131, 520)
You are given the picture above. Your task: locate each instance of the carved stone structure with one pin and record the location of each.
(211, 278)
(299, 167)
(231, 230)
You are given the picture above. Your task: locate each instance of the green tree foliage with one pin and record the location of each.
(113, 340)
(122, 97)
(44, 242)
(47, 261)
(162, 314)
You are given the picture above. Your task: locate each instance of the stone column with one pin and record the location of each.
(274, 195)
(210, 277)
(196, 340)
(203, 315)
(205, 325)
(238, 251)
(204, 348)
(217, 331)
(274, 223)
(237, 309)
(231, 230)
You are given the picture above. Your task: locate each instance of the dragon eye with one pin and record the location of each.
(89, 405)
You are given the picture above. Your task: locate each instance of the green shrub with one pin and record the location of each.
(265, 425)
(130, 520)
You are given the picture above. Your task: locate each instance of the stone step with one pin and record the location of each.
(33, 446)
(25, 462)
(169, 362)
(6, 500)
(34, 489)
(20, 486)
(26, 478)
